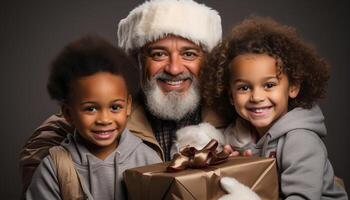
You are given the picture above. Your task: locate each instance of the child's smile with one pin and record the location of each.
(104, 134)
(260, 111)
(258, 93)
(99, 109)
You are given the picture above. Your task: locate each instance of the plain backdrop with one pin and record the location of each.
(33, 32)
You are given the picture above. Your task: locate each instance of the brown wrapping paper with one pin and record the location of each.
(153, 182)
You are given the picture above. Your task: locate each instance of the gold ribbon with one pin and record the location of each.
(190, 157)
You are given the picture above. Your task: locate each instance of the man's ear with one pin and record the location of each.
(294, 90)
(128, 111)
(66, 112)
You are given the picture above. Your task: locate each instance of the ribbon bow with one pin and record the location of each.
(193, 158)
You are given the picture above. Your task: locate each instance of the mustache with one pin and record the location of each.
(165, 76)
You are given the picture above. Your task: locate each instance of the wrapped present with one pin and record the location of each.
(155, 182)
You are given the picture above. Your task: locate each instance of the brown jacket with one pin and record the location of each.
(54, 130)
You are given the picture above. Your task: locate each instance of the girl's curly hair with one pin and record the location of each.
(260, 35)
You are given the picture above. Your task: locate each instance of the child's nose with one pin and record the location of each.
(104, 118)
(257, 95)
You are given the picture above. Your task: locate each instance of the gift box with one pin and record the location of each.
(154, 182)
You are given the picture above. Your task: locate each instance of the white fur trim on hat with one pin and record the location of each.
(155, 19)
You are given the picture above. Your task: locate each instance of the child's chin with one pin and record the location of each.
(261, 125)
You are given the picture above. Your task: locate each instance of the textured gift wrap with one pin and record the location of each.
(152, 182)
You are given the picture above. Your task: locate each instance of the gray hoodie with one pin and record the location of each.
(101, 179)
(295, 141)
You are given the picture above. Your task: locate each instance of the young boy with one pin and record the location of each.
(92, 81)
(272, 79)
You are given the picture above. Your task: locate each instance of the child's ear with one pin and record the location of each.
(128, 111)
(66, 113)
(230, 97)
(294, 90)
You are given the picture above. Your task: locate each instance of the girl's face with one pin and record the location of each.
(98, 107)
(258, 93)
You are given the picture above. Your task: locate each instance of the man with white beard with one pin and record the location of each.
(169, 39)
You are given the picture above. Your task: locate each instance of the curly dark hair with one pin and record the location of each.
(87, 56)
(260, 35)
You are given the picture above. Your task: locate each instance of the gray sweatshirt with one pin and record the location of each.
(101, 179)
(295, 141)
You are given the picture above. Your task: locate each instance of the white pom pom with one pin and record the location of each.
(198, 135)
(236, 190)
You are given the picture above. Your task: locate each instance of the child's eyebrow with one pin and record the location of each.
(239, 80)
(263, 79)
(270, 77)
(87, 102)
(93, 102)
(116, 100)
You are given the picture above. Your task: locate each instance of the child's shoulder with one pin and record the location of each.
(135, 146)
(304, 143)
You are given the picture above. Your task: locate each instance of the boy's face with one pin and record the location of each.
(98, 108)
(258, 93)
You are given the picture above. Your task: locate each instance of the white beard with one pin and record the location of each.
(172, 105)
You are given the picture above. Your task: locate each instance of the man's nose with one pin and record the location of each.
(175, 65)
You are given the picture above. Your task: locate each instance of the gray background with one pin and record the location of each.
(32, 33)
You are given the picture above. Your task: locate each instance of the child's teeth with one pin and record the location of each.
(259, 110)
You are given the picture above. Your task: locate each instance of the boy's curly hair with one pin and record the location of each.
(259, 35)
(85, 57)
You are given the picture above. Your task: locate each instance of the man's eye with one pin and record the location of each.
(158, 55)
(189, 55)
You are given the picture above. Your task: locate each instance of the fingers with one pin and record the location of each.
(229, 149)
(234, 154)
(248, 152)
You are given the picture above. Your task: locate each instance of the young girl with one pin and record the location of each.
(272, 80)
(91, 80)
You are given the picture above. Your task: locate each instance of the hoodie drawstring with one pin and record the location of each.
(265, 145)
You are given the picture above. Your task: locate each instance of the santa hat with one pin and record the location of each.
(155, 19)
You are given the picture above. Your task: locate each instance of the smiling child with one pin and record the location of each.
(268, 81)
(92, 81)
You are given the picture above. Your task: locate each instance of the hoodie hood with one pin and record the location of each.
(239, 134)
(299, 118)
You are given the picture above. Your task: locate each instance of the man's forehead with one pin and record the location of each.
(169, 40)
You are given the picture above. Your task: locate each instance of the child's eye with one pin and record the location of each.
(243, 88)
(270, 85)
(90, 109)
(116, 108)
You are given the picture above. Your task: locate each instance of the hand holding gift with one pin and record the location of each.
(154, 182)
